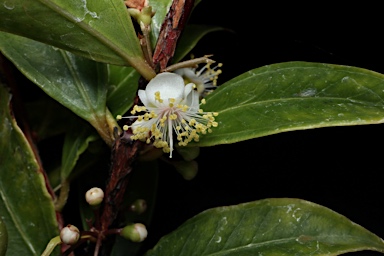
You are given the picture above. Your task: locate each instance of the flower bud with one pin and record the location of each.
(146, 16)
(143, 16)
(94, 196)
(135, 232)
(187, 169)
(139, 206)
(70, 234)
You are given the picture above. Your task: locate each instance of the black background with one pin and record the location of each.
(338, 167)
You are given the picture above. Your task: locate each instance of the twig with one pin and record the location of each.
(124, 154)
(124, 150)
(189, 63)
(171, 29)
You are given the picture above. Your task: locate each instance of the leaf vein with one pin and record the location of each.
(16, 223)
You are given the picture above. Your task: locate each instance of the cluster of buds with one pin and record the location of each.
(136, 232)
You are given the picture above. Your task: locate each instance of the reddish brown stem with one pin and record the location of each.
(124, 150)
(171, 29)
(124, 153)
(98, 245)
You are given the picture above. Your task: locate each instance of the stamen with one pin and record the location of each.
(159, 123)
(157, 97)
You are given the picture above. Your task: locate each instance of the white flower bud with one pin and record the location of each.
(135, 232)
(70, 234)
(94, 196)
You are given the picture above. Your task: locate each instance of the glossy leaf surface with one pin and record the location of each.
(268, 227)
(123, 84)
(25, 204)
(100, 30)
(75, 143)
(294, 96)
(77, 83)
(49, 118)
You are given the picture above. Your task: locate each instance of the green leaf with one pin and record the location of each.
(100, 30)
(268, 227)
(48, 118)
(76, 141)
(92, 159)
(294, 96)
(25, 205)
(77, 83)
(123, 84)
(197, 2)
(190, 37)
(3, 238)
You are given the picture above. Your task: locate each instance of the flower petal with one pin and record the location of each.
(169, 85)
(190, 97)
(143, 97)
(187, 72)
(187, 90)
(194, 102)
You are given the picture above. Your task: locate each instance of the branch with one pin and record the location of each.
(171, 29)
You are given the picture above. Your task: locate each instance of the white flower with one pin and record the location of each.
(205, 79)
(170, 107)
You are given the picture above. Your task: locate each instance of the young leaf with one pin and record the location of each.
(77, 83)
(268, 227)
(100, 30)
(294, 96)
(25, 204)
